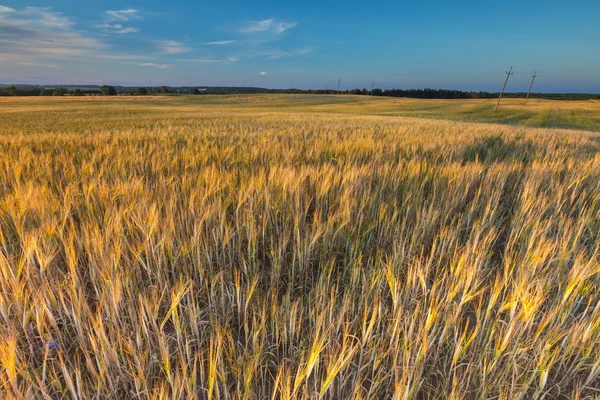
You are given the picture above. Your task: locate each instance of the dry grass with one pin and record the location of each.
(167, 253)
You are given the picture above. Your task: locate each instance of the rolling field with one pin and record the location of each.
(283, 247)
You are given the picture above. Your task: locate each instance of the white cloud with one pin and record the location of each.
(274, 54)
(117, 57)
(114, 19)
(6, 10)
(40, 65)
(31, 34)
(171, 47)
(41, 36)
(118, 28)
(271, 26)
(263, 73)
(45, 17)
(152, 65)
(222, 42)
(159, 66)
(303, 51)
(128, 30)
(228, 60)
(203, 60)
(259, 36)
(123, 15)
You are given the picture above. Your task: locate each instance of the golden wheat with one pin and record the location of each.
(155, 250)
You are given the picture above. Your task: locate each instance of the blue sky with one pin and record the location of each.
(461, 44)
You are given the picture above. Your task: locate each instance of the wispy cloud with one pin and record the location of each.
(171, 47)
(259, 51)
(44, 16)
(203, 60)
(123, 15)
(274, 54)
(271, 26)
(33, 34)
(150, 65)
(303, 51)
(113, 20)
(42, 37)
(222, 42)
(116, 57)
(40, 65)
(118, 28)
(263, 73)
(228, 60)
(259, 37)
(127, 30)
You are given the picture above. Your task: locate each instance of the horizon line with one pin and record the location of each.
(282, 89)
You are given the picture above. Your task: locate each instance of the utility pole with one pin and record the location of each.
(530, 86)
(372, 88)
(508, 74)
(339, 81)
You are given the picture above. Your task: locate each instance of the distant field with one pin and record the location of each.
(48, 113)
(284, 247)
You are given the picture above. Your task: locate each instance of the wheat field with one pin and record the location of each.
(273, 247)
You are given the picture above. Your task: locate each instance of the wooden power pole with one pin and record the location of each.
(530, 86)
(508, 74)
(372, 88)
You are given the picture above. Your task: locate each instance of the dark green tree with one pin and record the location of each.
(12, 90)
(193, 91)
(142, 91)
(107, 90)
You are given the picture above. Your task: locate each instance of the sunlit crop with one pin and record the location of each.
(264, 248)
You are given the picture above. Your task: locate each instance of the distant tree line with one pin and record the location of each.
(108, 90)
(433, 94)
(458, 94)
(58, 91)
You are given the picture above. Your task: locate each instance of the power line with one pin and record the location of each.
(508, 74)
(530, 86)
